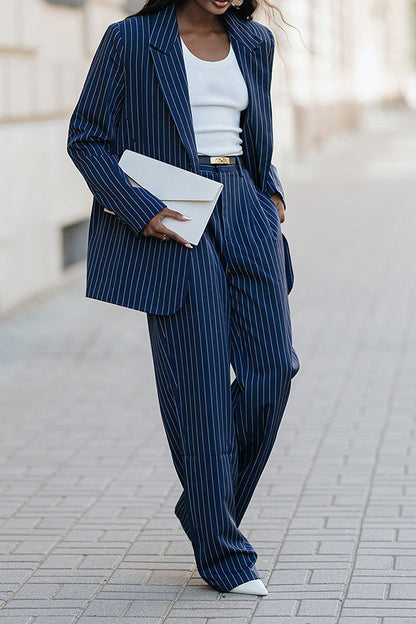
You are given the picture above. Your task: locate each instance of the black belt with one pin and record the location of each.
(218, 160)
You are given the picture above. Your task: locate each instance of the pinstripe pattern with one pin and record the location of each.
(221, 434)
(136, 97)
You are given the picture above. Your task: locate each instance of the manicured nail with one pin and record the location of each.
(186, 217)
(189, 245)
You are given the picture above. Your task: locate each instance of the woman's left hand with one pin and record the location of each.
(276, 198)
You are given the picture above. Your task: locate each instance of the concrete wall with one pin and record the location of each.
(45, 51)
(363, 55)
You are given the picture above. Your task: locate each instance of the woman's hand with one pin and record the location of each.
(156, 228)
(276, 198)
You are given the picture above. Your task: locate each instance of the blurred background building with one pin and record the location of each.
(358, 54)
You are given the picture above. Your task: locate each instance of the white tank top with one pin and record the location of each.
(218, 94)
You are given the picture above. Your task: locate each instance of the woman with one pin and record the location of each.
(188, 83)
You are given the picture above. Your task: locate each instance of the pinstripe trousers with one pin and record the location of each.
(220, 434)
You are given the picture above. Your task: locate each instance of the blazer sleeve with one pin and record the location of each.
(273, 182)
(92, 137)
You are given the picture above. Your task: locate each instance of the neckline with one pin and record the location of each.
(226, 58)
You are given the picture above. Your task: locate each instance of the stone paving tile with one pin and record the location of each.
(184, 614)
(168, 577)
(293, 620)
(7, 575)
(75, 590)
(380, 611)
(365, 619)
(141, 608)
(46, 604)
(79, 577)
(283, 576)
(398, 620)
(37, 590)
(226, 620)
(31, 612)
(19, 619)
(276, 607)
(126, 620)
(325, 607)
(46, 619)
(108, 607)
(87, 530)
(305, 591)
(369, 590)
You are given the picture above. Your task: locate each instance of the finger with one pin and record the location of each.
(172, 235)
(167, 212)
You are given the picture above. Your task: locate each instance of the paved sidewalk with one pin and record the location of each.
(87, 530)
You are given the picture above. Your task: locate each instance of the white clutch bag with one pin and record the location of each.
(189, 193)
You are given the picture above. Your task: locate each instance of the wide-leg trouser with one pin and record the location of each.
(221, 434)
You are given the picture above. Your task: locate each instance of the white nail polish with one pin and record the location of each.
(188, 245)
(186, 217)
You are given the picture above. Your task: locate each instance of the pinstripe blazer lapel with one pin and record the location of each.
(252, 59)
(167, 55)
(244, 44)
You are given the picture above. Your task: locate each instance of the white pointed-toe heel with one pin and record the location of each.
(255, 587)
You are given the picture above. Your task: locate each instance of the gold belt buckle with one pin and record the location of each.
(219, 160)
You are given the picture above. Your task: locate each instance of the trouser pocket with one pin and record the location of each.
(290, 278)
(271, 212)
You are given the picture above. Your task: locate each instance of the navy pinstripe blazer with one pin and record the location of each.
(136, 97)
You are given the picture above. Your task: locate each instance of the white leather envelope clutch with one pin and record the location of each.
(189, 193)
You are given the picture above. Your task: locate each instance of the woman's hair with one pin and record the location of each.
(153, 6)
(244, 12)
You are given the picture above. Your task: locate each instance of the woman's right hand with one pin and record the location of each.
(156, 228)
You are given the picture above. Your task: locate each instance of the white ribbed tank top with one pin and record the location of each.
(218, 93)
